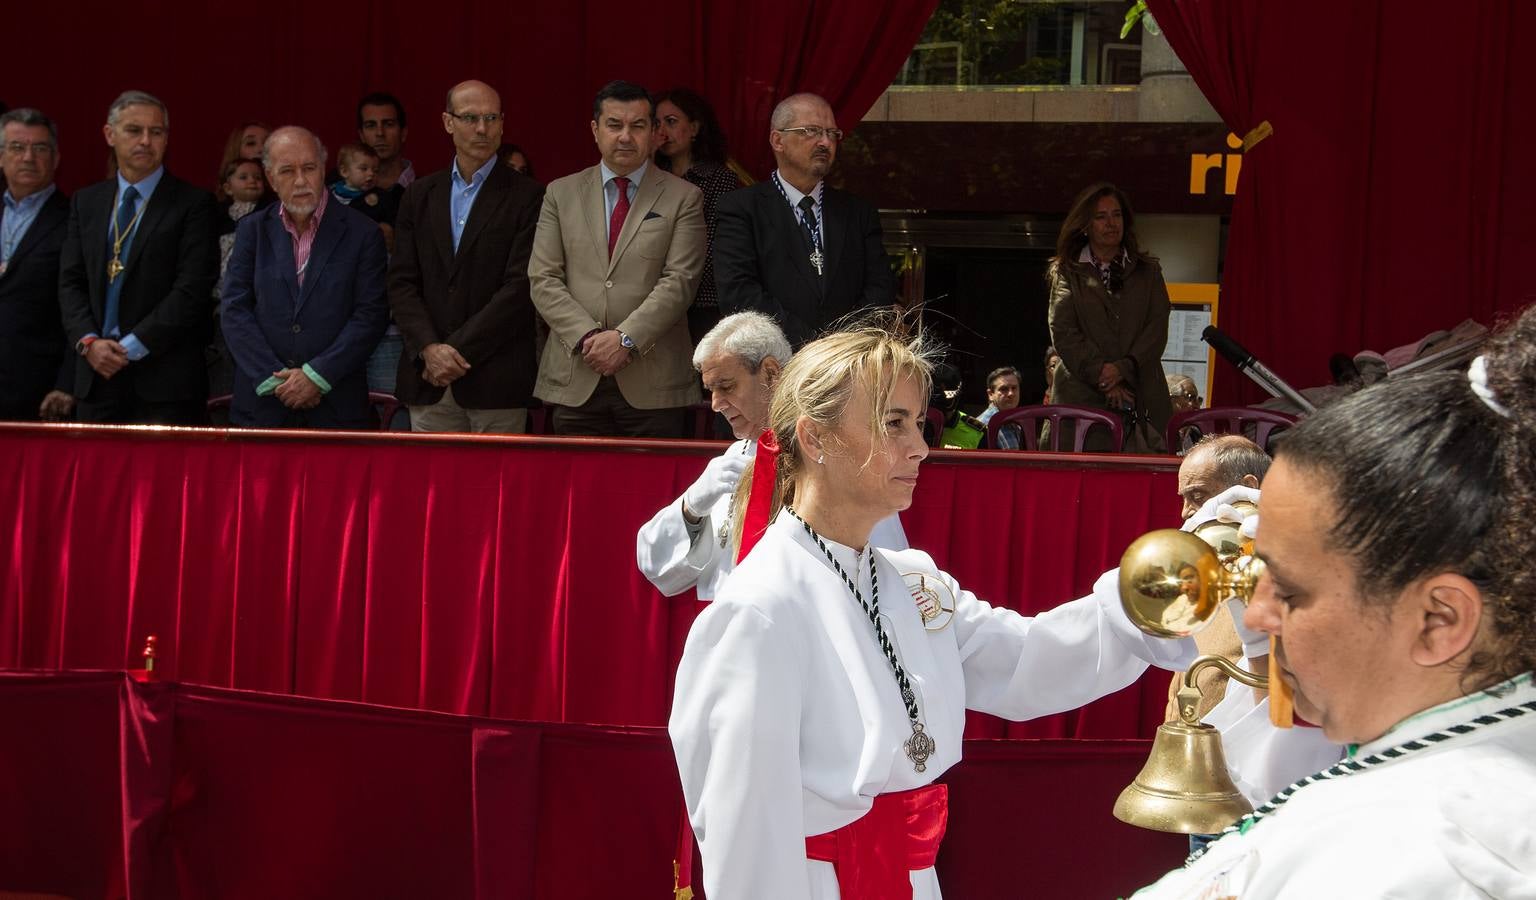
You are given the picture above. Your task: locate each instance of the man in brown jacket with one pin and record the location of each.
(618, 255)
(458, 281)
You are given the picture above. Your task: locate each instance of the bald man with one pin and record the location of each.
(458, 280)
(303, 299)
(792, 246)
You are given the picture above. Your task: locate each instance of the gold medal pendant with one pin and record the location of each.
(114, 269)
(930, 595)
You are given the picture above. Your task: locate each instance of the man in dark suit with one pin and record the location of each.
(136, 280)
(32, 222)
(458, 282)
(303, 298)
(792, 247)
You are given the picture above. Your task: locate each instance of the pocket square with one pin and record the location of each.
(651, 215)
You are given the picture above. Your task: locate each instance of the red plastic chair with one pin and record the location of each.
(1029, 418)
(1229, 420)
(933, 429)
(385, 405)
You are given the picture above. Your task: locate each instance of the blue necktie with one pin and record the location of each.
(115, 286)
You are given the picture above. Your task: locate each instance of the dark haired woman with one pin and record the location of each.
(1396, 528)
(1109, 320)
(690, 145)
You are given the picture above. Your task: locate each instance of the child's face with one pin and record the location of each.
(358, 171)
(246, 183)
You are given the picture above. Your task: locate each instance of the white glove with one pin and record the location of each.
(720, 478)
(1255, 643)
(1220, 507)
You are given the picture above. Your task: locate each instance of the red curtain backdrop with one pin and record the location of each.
(1391, 199)
(127, 790)
(486, 577)
(292, 62)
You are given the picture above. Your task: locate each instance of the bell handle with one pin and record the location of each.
(1189, 692)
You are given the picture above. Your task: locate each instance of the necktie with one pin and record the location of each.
(119, 238)
(808, 221)
(620, 211)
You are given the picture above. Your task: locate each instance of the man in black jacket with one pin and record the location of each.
(32, 219)
(136, 279)
(792, 247)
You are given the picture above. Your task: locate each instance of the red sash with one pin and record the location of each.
(873, 855)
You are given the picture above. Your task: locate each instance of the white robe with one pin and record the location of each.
(1262, 759)
(787, 720)
(1453, 822)
(675, 558)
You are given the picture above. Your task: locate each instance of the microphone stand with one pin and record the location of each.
(1249, 365)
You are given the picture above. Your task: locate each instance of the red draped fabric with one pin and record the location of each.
(165, 790)
(486, 576)
(217, 65)
(1390, 200)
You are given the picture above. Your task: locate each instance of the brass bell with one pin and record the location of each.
(1184, 786)
(1171, 584)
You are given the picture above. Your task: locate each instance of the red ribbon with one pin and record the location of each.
(874, 855)
(765, 474)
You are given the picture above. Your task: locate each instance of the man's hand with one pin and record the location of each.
(106, 356)
(443, 365)
(58, 406)
(719, 479)
(1121, 397)
(604, 354)
(297, 391)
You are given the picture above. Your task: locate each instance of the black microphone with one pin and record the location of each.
(1249, 365)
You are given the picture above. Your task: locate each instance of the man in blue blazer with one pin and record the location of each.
(304, 300)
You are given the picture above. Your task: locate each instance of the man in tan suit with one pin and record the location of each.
(616, 259)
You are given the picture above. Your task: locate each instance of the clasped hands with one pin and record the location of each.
(443, 365)
(1113, 384)
(604, 353)
(295, 390)
(106, 356)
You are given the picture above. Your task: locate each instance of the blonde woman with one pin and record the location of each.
(825, 689)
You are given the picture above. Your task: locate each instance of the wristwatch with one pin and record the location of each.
(84, 344)
(624, 340)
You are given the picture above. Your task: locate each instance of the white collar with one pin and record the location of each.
(1517, 690)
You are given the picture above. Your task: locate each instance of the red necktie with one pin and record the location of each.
(620, 210)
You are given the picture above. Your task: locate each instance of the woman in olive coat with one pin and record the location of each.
(1109, 321)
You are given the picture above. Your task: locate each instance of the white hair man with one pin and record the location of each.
(690, 542)
(1216, 473)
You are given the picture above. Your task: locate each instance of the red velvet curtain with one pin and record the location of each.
(123, 790)
(488, 577)
(293, 62)
(1390, 200)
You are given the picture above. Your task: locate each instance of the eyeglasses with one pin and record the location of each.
(17, 148)
(471, 119)
(815, 132)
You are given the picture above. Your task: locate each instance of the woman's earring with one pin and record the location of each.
(821, 459)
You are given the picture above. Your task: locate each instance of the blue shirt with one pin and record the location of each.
(19, 215)
(611, 191)
(146, 188)
(462, 199)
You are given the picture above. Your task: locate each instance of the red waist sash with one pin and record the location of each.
(873, 854)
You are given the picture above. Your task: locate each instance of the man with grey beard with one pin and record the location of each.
(303, 298)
